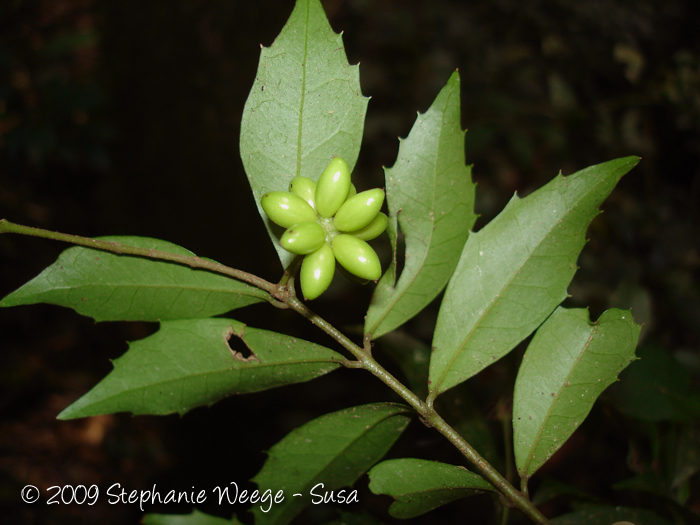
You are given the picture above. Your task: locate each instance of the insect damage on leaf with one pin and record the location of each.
(247, 355)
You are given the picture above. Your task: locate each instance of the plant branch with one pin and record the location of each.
(123, 249)
(279, 294)
(429, 416)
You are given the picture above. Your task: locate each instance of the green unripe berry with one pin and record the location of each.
(358, 211)
(303, 238)
(287, 209)
(374, 229)
(357, 257)
(332, 187)
(305, 188)
(317, 271)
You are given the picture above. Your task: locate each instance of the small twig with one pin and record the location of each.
(123, 249)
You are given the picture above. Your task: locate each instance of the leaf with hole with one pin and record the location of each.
(197, 362)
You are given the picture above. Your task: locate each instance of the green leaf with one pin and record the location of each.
(550, 488)
(569, 362)
(515, 271)
(655, 388)
(195, 518)
(596, 515)
(304, 108)
(649, 482)
(197, 362)
(687, 460)
(430, 191)
(333, 450)
(419, 486)
(111, 287)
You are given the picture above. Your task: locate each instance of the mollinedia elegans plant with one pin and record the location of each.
(300, 136)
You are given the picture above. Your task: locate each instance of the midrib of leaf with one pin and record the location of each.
(466, 340)
(348, 447)
(211, 373)
(394, 296)
(303, 91)
(538, 436)
(152, 286)
(327, 467)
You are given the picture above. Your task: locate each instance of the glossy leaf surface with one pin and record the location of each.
(515, 271)
(419, 486)
(111, 287)
(429, 190)
(304, 108)
(197, 362)
(335, 449)
(568, 364)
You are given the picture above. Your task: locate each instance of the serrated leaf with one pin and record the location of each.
(195, 518)
(111, 287)
(197, 362)
(568, 364)
(430, 191)
(335, 450)
(305, 107)
(597, 515)
(419, 486)
(515, 271)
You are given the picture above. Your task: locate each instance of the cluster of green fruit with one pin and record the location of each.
(328, 221)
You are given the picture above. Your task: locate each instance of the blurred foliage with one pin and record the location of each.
(122, 117)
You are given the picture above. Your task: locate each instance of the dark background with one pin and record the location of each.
(122, 117)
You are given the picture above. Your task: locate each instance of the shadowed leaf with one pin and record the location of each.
(333, 450)
(196, 518)
(419, 486)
